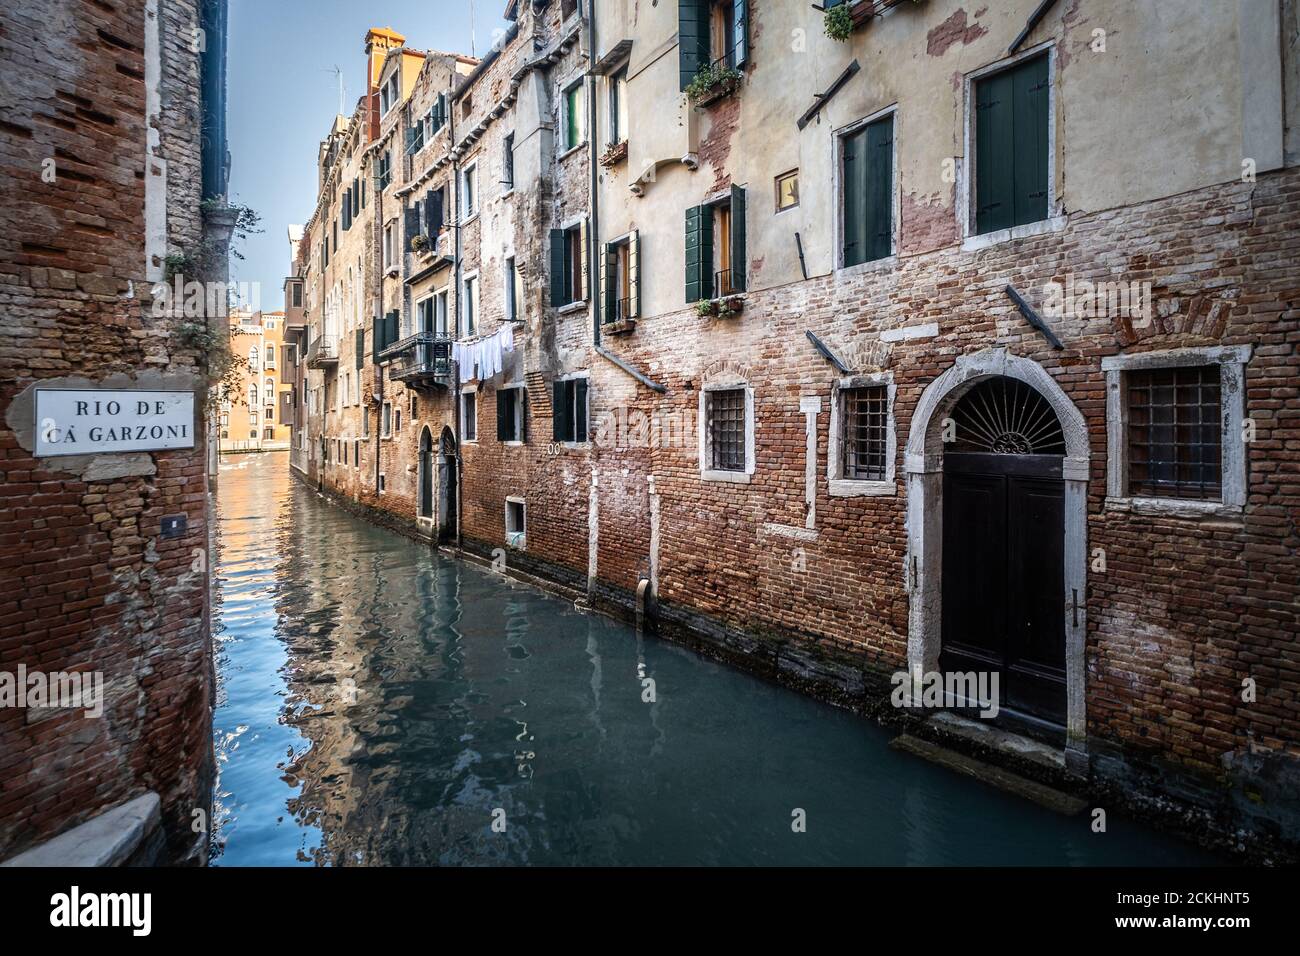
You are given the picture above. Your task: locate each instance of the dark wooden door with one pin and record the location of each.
(1004, 576)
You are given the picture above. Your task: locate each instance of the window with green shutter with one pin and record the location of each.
(569, 410)
(573, 116)
(699, 253)
(1011, 146)
(510, 414)
(692, 38)
(867, 190)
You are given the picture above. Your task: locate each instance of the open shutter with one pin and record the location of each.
(376, 340)
(361, 346)
(412, 224)
(503, 416)
(879, 188)
(692, 38)
(1030, 92)
(561, 412)
(994, 165)
(608, 282)
(699, 253)
(579, 409)
(557, 267)
(634, 275)
(738, 262)
(740, 33)
(582, 251)
(432, 213)
(391, 332)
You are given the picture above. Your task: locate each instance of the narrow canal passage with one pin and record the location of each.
(379, 703)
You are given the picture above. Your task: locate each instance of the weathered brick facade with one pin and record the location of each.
(89, 583)
(832, 591)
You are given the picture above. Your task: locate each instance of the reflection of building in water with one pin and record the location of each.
(258, 411)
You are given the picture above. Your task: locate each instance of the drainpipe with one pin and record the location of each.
(454, 194)
(374, 334)
(595, 259)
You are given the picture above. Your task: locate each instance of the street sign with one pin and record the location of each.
(100, 421)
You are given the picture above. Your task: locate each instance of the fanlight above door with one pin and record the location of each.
(1004, 416)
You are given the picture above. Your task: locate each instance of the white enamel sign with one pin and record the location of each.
(94, 422)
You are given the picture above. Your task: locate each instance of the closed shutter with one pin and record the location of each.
(585, 292)
(432, 212)
(377, 340)
(855, 198)
(557, 267)
(391, 329)
(879, 156)
(738, 262)
(994, 166)
(692, 38)
(634, 274)
(356, 197)
(360, 347)
(699, 253)
(580, 409)
(505, 424)
(561, 412)
(1030, 92)
(347, 212)
(740, 32)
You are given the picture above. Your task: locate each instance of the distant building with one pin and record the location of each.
(257, 413)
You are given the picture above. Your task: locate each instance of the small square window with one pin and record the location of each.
(726, 423)
(864, 421)
(516, 521)
(1175, 432)
(787, 190)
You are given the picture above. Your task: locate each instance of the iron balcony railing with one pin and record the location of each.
(722, 284)
(324, 350)
(621, 311)
(423, 357)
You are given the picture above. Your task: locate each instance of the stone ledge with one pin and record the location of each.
(130, 833)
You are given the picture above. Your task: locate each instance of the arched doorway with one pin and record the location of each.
(447, 486)
(424, 501)
(1003, 545)
(1018, 480)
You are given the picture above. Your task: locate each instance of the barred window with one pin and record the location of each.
(1175, 432)
(726, 418)
(864, 422)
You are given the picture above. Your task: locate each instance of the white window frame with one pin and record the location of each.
(519, 412)
(386, 420)
(702, 429)
(895, 196)
(469, 304)
(581, 86)
(510, 288)
(520, 542)
(468, 195)
(966, 192)
(837, 485)
(584, 376)
(468, 393)
(1232, 362)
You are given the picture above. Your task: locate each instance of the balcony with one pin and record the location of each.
(421, 359)
(323, 352)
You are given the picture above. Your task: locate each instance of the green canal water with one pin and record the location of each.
(381, 704)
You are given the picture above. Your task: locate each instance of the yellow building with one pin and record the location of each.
(257, 415)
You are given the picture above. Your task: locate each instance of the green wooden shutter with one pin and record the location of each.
(561, 411)
(994, 165)
(608, 283)
(391, 329)
(738, 261)
(1030, 92)
(692, 38)
(854, 191)
(740, 32)
(699, 253)
(879, 156)
(361, 346)
(557, 267)
(377, 339)
(412, 216)
(634, 268)
(504, 423)
(580, 409)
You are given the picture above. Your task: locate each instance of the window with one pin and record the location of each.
(569, 410)
(725, 411)
(620, 279)
(356, 453)
(715, 248)
(617, 106)
(508, 162)
(397, 420)
(424, 314)
(469, 192)
(569, 264)
(382, 483)
(390, 245)
(1176, 430)
(863, 422)
(413, 405)
(710, 31)
(253, 360)
(390, 95)
(386, 421)
(510, 414)
(296, 293)
(440, 312)
(469, 305)
(268, 434)
(1011, 146)
(516, 518)
(572, 118)
(867, 192)
(385, 170)
(365, 423)
(469, 416)
(787, 190)
(512, 290)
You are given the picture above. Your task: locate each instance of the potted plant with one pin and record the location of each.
(839, 22)
(421, 244)
(614, 153)
(713, 81)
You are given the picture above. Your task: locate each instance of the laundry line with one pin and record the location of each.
(485, 357)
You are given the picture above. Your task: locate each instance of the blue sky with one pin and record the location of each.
(283, 95)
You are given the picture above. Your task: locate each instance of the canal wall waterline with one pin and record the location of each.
(1205, 811)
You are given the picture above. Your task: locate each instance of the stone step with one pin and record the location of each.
(1055, 800)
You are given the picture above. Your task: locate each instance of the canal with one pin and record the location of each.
(379, 703)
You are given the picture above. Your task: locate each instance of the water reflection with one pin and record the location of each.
(379, 703)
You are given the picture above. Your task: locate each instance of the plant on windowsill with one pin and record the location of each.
(712, 83)
(614, 153)
(422, 245)
(849, 15)
(839, 22)
(721, 308)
